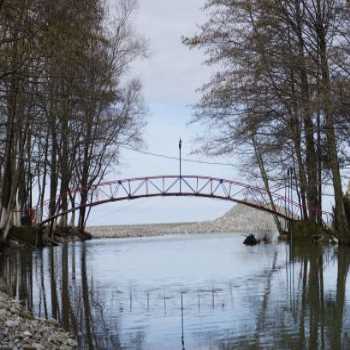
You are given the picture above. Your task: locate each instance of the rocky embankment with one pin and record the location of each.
(20, 330)
(240, 219)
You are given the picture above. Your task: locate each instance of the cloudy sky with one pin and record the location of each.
(170, 77)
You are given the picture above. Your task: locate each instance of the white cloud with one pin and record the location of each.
(170, 77)
(173, 72)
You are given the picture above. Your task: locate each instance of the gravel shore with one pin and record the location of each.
(20, 330)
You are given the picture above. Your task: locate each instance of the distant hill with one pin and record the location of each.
(240, 219)
(245, 219)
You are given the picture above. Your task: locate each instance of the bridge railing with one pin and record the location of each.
(187, 185)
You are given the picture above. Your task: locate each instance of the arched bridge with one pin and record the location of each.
(184, 186)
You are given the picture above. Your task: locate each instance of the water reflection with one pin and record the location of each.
(218, 294)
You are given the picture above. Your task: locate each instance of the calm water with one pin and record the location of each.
(195, 292)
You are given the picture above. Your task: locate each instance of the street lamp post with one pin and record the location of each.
(180, 161)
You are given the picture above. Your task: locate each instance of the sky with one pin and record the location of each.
(170, 76)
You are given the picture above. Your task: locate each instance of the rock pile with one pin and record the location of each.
(20, 330)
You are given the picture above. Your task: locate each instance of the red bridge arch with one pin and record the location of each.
(187, 186)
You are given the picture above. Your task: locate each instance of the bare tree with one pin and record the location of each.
(66, 104)
(281, 79)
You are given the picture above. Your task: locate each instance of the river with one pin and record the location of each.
(195, 292)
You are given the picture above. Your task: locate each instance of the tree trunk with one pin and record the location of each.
(311, 157)
(266, 183)
(340, 216)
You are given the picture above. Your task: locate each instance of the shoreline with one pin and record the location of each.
(239, 219)
(19, 329)
(118, 236)
(158, 230)
(147, 230)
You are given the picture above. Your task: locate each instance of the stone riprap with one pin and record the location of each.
(240, 219)
(20, 330)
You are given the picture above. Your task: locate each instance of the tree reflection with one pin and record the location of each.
(16, 276)
(73, 300)
(53, 286)
(316, 320)
(335, 307)
(294, 306)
